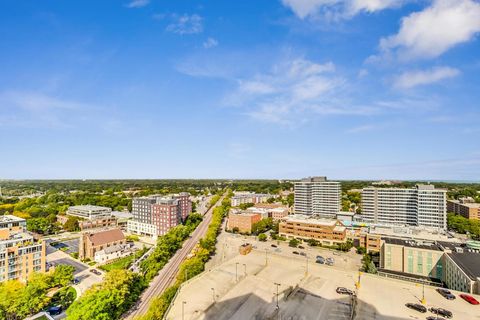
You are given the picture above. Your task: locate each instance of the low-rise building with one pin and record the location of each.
(89, 212)
(239, 199)
(371, 242)
(328, 232)
(242, 220)
(142, 229)
(114, 252)
(270, 210)
(466, 207)
(20, 254)
(92, 242)
(462, 271)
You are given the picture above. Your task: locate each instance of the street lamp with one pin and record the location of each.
(306, 269)
(277, 285)
(213, 294)
(183, 309)
(423, 293)
(236, 271)
(266, 259)
(245, 269)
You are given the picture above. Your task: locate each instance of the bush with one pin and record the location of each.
(262, 237)
(293, 243)
(361, 250)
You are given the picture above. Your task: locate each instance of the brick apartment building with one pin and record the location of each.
(328, 232)
(243, 220)
(92, 242)
(466, 207)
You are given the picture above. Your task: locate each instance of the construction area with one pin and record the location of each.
(266, 285)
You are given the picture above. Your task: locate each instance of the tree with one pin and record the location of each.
(293, 243)
(262, 237)
(63, 275)
(361, 250)
(72, 224)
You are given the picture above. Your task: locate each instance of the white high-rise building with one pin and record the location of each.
(420, 206)
(317, 196)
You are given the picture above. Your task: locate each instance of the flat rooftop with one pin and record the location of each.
(311, 220)
(469, 262)
(430, 245)
(10, 218)
(88, 207)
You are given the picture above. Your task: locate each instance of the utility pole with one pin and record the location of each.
(306, 268)
(423, 293)
(277, 285)
(236, 271)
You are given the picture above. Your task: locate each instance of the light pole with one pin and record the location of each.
(245, 269)
(213, 294)
(423, 293)
(236, 271)
(306, 268)
(183, 309)
(266, 259)
(277, 285)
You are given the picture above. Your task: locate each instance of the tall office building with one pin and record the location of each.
(420, 206)
(318, 196)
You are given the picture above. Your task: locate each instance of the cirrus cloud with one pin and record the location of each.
(415, 78)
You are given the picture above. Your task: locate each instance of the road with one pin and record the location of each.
(166, 276)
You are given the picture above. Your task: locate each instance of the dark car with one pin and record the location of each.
(342, 290)
(434, 318)
(469, 299)
(441, 312)
(273, 245)
(301, 247)
(320, 260)
(54, 310)
(303, 254)
(416, 307)
(295, 252)
(446, 294)
(95, 271)
(76, 281)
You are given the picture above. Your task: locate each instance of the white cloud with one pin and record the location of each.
(137, 3)
(334, 9)
(186, 24)
(436, 29)
(210, 43)
(415, 78)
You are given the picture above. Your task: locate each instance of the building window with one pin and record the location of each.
(410, 261)
(419, 263)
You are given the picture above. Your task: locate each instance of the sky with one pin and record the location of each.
(350, 89)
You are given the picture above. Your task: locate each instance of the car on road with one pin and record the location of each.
(434, 318)
(441, 312)
(295, 252)
(469, 299)
(76, 281)
(301, 247)
(303, 254)
(329, 261)
(446, 294)
(320, 260)
(342, 290)
(95, 271)
(54, 310)
(416, 307)
(273, 245)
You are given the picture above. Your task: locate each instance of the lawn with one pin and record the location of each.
(123, 263)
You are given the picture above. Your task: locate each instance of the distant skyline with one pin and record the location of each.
(282, 89)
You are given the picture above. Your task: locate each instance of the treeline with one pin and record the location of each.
(464, 225)
(19, 300)
(191, 267)
(121, 288)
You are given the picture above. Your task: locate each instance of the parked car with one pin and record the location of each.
(54, 310)
(303, 254)
(273, 245)
(446, 294)
(469, 299)
(76, 281)
(441, 312)
(301, 247)
(416, 307)
(434, 318)
(320, 260)
(295, 252)
(95, 271)
(329, 261)
(342, 290)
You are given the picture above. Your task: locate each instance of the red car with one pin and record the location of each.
(469, 299)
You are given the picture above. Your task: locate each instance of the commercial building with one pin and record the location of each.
(371, 242)
(318, 196)
(89, 212)
(466, 207)
(96, 222)
(239, 199)
(412, 260)
(93, 242)
(161, 213)
(242, 220)
(270, 210)
(462, 271)
(20, 254)
(327, 231)
(420, 206)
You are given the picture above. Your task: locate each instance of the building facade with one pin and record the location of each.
(93, 242)
(249, 198)
(328, 232)
(318, 196)
(242, 220)
(420, 206)
(466, 207)
(142, 229)
(462, 271)
(20, 254)
(89, 212)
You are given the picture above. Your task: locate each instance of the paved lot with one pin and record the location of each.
(236, 295)
(69, 246)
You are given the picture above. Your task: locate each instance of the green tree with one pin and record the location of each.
(72, 224)
(262, 237)
(293, 243)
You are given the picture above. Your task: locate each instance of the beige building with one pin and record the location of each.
(466, 207)
(371, 242)
(462, 271)
(91, 243)
(328, 232)
(270, 210)
(243, 220)
(20, 254)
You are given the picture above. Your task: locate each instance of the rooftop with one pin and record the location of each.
(313, 220)
(104, 237)
(88, 207)
(10, 218)
(429, 245)
(244, 213)
(469, 262)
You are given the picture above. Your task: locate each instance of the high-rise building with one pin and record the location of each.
(161, 213)
(20, 254)
(318, 196)
(420, 206)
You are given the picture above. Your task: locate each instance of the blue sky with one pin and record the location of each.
(351, 89)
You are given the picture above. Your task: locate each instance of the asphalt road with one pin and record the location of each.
(166, 276)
